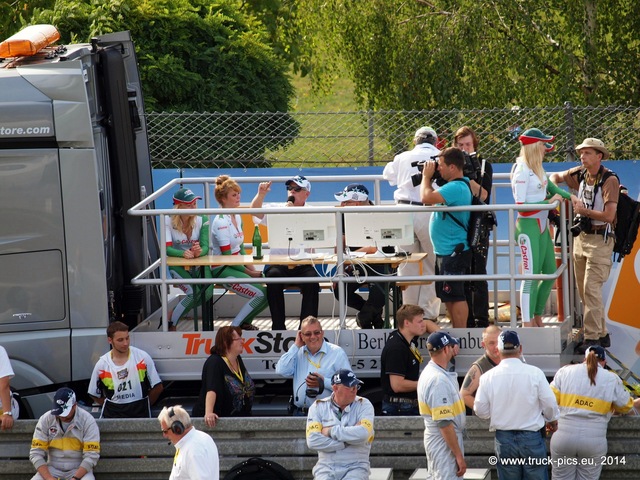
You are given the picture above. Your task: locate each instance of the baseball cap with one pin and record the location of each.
(508, 340)
(184, 195)
(63, 402)
(439, 340)
(426, 132)
(301, 181)
(353, 191)
(345, 377)
(596, 144)
(533, 135)
(598, 350)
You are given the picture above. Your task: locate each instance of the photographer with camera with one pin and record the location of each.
(311, 361)
(595, 212)
(449, 237)
(404, 173)
(481, 181)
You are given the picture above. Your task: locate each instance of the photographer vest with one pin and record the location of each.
(591, 195)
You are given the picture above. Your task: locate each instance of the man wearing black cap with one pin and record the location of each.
(598, 192)
(518, 400)
(66, 442)
(369, 311)
(443, 410)
(298, 190)
(340, 428)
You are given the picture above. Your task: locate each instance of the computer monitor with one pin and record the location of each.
(379, 229)
(302, 230)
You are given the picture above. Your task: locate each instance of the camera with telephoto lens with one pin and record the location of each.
(581, 224)
(417, 178)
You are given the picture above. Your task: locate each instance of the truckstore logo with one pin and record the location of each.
(14, 131)
(264, 342)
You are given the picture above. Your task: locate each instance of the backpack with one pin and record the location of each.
(481, 224)
(627, 217)
(257, 468)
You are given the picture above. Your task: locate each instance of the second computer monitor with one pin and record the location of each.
(312, 230)
(379, 229)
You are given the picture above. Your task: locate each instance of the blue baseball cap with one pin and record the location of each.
(345, 377)
(508, 340)
(438, 340)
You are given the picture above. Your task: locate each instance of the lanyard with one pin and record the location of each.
(317, 365)
(238, 374)
(416, 352)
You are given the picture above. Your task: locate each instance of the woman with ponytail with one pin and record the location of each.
(588, 395)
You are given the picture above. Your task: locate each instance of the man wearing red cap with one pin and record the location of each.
(598, 191)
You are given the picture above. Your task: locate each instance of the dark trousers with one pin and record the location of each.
(275, 293)
(377, 291)
(478, 293)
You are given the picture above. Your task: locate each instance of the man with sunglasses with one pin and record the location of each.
(340, 428)
(310, 361)
(298, 190)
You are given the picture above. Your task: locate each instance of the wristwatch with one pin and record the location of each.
(76, 478)
(8, 413)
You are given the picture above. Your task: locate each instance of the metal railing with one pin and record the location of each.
(499, 247)
(367, 138)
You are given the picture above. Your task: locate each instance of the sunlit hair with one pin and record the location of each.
(465, 132)
(176, 221)
(116, 326)
(224, 185)
(179, 415)
(490, 330)
(406, 313)
(532, 155)
(453, 156)
(224, 339)
(310, 320)
(592, 366)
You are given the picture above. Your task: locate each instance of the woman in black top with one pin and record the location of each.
(227, 388)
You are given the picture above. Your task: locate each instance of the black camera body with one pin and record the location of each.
(417, 178)
(581, 224)
(472, 166)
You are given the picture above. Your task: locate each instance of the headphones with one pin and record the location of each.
(177, 426)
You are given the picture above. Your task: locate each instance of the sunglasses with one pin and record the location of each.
(294, 189)
(317, 333)
(166, 430)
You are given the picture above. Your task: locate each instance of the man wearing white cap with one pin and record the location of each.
(598, 190)
(442, 409)
(298, 190)
(370, 310)
(66, 442)
(399, 173)
(518, 400)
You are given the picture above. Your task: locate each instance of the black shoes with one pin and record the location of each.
(605, 341)
(580, 349)
(370, 317)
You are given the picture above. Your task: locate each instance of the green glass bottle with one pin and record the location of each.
(257, 244)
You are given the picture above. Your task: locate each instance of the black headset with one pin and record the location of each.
(177, 426)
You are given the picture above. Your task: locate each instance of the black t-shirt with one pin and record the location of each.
(398, 359)
(487, 179)
(233, 398)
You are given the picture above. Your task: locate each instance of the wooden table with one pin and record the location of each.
(391, 262)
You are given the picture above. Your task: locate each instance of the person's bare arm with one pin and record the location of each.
(400, 384)
(470, 386)
(258, 200)
(451, 439)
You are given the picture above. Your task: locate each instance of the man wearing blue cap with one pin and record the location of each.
(298, 190)
(518, 400)
(66, 442)
(443, 410)
(588, 395)
(340, 428)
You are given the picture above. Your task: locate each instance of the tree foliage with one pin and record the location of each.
(420, 54)
(199, 55)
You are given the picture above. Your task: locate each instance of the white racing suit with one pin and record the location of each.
(345, 454)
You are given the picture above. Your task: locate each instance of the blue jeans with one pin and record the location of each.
(399, 409)
(527, 446)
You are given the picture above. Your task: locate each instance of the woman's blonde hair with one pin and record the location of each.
(177, 224)
(532, 155)
(225, 184)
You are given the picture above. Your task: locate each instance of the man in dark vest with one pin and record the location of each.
(482, 365)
